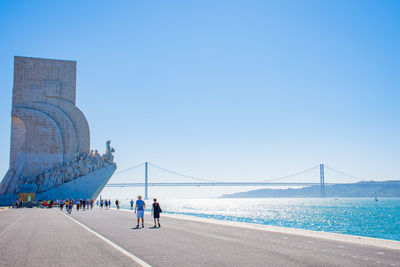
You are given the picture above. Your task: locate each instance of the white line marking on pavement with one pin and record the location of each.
(120, 249)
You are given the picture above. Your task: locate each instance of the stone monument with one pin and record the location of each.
(50, 138)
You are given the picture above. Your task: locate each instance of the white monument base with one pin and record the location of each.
(84, 187)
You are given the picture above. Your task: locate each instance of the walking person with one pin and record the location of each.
(132, 204)
(156, 210)
(67, 205)
(117, 204)
(62, 202)
(71, 205)
(139, 210)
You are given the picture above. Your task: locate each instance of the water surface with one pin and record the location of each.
(364, 217)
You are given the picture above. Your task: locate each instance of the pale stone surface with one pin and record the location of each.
(50, 137)
(44, 99)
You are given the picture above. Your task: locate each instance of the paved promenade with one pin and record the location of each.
(42, 237)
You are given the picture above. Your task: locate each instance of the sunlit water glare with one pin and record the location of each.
(363, 217)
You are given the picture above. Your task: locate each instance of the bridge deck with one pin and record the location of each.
(210, 184)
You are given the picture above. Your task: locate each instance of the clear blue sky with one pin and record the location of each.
(223, 89)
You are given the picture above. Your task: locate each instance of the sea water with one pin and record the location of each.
(363, 217)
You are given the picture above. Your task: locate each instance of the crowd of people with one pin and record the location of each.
(105, 203)
(81, 204)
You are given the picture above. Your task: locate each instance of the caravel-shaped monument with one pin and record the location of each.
(50, 138)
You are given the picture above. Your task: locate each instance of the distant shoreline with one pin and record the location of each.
(370, 189)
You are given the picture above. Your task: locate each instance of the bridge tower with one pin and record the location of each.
(322, 180)
(145, 181)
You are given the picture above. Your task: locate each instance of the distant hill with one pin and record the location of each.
(360, 189)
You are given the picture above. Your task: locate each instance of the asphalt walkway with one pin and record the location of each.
(45, 237)
(34, 237)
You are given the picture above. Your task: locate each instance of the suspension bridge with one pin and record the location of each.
(199, 181)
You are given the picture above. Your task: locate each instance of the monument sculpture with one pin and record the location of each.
(50, 138)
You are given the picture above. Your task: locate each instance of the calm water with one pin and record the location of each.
(364, 217)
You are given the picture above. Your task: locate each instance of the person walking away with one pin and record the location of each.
(109, 203)
(132, 204)
(156, 210)
(101, 204)
(117, 204)
(139, 210)
(106, 201)
(71, 205)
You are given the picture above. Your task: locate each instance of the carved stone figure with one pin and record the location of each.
(59, 177)
(67, 173)
(89, 167)
(99, 160)
(82, 166)
(75, 169)
(108, 158)
(108, 149)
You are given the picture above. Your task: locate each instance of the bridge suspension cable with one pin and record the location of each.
(209, 180)
(264, 180)
(343, 173)
(291, 175)
(180, 174)
(129, 169)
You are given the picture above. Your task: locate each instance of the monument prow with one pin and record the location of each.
(50, 137)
